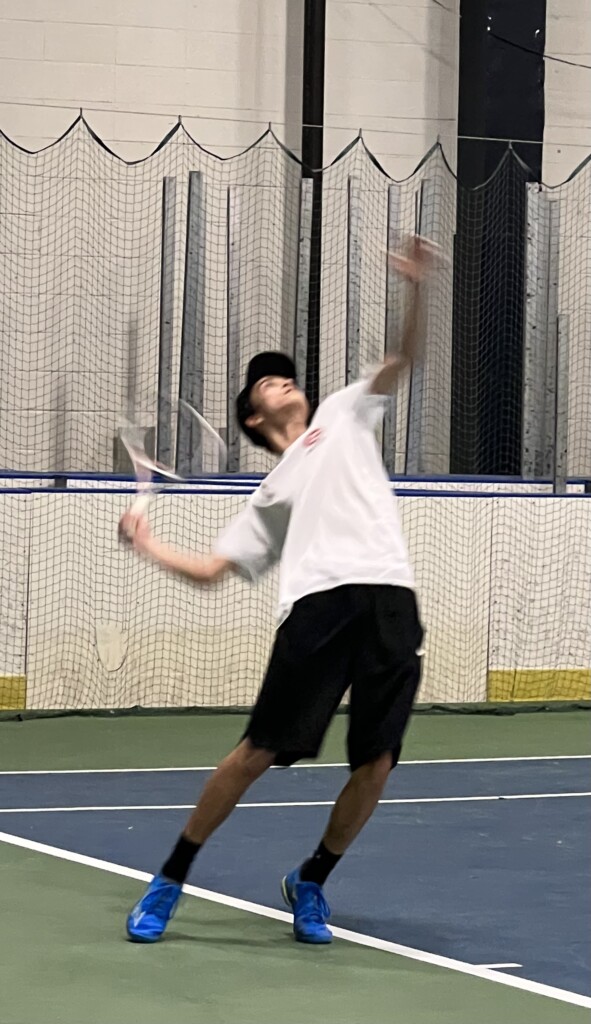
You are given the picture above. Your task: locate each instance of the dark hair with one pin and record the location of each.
(265, 364)
(244, 410)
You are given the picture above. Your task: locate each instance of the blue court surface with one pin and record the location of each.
(486, 862)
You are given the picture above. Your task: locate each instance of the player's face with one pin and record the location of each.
(277, 399)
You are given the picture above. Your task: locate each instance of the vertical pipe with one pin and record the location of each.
(303, 286)
(551, 323)
(167, 253)
(312, 159)
(535, 319)
(561, 412)
(233, 324)
(188, 450)
(391, 324)
(352, 351)
(415, 435)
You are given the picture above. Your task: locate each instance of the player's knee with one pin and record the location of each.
(378, 769)
(383, 766)
(254, 760)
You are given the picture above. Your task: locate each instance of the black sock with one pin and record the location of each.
(178, 865)
(319, 866)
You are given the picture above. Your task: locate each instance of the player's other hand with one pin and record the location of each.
(417, 259)
(135, 530)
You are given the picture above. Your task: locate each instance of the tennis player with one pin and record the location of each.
(347, 610)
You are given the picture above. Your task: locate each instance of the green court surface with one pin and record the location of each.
(63, 954)
(155, 741)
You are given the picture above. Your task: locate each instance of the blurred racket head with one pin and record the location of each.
(207, 451)
(151, 476)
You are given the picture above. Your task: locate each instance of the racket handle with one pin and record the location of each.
(141, 505)
(138, 508)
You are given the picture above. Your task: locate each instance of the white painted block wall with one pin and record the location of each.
(228, 68)
(232, 66)
(567, 133)
(392, 71)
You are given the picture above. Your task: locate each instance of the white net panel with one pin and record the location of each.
(536, 654)
(83, 261)
(263, 219)
(79, 273)
(82, 265)
(363, 213)
(504, 583)
(80, 280)
(574, 304)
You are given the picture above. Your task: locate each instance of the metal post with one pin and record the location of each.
(550, 384)
(352, 355)
(540, 341)
(167, 253)
(312, 161)
(303, 286)
(415, 462)
(188, 452)
(134, 414)
(393, 306)
(62, 459)
(233, 323)
(561, 412)
(131, 398)
(535, 317)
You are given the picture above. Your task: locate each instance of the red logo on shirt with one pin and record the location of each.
(312, 438)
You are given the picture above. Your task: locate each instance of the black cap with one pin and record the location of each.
(266, 364)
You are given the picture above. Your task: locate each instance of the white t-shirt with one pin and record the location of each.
(326, 510)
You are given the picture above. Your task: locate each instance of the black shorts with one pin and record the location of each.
(361, 636)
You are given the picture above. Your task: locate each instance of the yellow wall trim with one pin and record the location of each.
(539, 684)
(13, 692)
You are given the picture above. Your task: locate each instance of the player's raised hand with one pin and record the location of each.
(134, 529)
(418, 258)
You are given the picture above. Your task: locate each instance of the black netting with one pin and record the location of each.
(488, 323)
(503, 582)
(119, 293)
(83, 258)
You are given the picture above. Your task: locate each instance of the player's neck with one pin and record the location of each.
(283, 437)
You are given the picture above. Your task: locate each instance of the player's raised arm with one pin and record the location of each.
(414, 264)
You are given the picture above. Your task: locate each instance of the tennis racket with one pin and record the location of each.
(152, 476)
(213, 453)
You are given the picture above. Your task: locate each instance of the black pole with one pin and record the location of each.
(501, 96)
(312, 158)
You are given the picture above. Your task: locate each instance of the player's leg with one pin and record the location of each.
(314, 651)
(149, 917)
(386, 679)
(288, 722)
(233, 776)
(353, 808)
(386, 676)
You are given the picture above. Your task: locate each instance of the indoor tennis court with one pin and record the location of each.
(295, 395)
(479, 855)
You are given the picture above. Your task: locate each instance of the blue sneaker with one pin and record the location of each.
(310, 909)
(149, 917)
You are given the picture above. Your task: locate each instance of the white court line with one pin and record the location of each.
(359, 939)
(497, 967)
(289, 803)
(314, 764)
